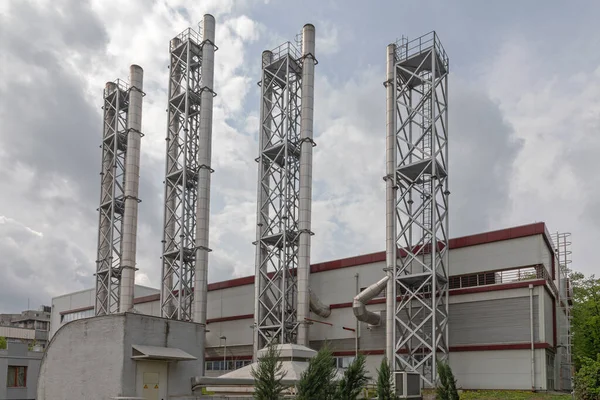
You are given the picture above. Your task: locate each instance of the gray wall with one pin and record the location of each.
(17, 355)
(493, 321)
(91, 358)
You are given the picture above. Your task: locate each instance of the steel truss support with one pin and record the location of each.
(181, 176)
(562, 243)
(112, 198)
(278, 198)
(417, 196)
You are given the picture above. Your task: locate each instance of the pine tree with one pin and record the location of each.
(268, 375)
(316, 382)
(384, 381)
(354, 380)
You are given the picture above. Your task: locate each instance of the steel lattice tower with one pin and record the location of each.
(417, 205)
(112, 198)
(278, 197)
(187, 175)
(181, 176)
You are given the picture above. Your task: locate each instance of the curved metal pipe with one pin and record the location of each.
(316, 306)
(359, 306)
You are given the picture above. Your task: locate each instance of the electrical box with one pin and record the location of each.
(408, 385)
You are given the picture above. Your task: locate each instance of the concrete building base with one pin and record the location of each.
(122, 355)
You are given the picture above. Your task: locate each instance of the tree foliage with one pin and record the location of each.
(384, 381)
(586, 317)
(354, 380)
(268, 375)
(446, 389)
(316, 382)
(2, 343)
(587, 379)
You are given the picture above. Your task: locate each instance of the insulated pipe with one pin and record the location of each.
(390, 205)
(170, 166)
(532, 337)
(317, 306)
(306, 146)
(204, 160)
(359, 305)
(132, 184)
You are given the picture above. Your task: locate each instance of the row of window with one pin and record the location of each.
(76, 315)
(16, 377)
(228, 365)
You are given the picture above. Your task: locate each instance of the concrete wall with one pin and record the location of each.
(91, 358)
(16, 354)
(506, 369)
(84, 360)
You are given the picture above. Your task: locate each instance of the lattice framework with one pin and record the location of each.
(114, 147)
(277, 215)
(420, 87)
(181, 176)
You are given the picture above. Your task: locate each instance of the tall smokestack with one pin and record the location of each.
(132, 184)
(390, 204)
(204, 160)
(305, 203)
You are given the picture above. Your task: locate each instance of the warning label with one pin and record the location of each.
(145, 386)
(155, 386)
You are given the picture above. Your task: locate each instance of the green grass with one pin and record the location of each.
(511, 395)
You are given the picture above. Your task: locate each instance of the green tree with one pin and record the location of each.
(384, 381)
(268, 376)
(2, 343)
(586, 317)
(316, 382)
(354, 380)
(446, 389)
(587, 379)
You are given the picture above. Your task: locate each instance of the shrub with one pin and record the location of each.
(384, 382)
(268, 375)
(446, 389)
(316, 382)
(353, 381)
(587, 379)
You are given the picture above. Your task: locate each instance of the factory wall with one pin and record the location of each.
(486, 320)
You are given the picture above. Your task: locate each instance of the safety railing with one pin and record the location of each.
(533, 272)
(406, 49)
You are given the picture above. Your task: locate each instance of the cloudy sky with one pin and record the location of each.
(524, 124)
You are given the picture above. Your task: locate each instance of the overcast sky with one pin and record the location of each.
(524, 124)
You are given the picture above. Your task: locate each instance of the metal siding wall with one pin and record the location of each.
(499, 255)
(493, 321)
(548, 325)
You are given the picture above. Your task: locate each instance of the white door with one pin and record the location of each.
(151, 380)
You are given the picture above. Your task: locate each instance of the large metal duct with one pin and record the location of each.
(305, 200)
(391, 252)
(318, 307)
(204, 162)
(359, 305)
(132, 184)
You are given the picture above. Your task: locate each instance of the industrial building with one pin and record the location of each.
(21, 368)
(495, 304)
(30, 326)
(503, 300)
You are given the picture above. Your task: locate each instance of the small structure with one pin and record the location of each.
(121, 355)
(19, 370)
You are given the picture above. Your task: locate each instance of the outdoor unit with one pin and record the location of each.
(408, 385)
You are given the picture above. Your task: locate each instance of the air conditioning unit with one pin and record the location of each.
(408, 385)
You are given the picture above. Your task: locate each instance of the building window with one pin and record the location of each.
(549, 370)
(76, 315)
(342, 362)
(17, 376)
(230, 365)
